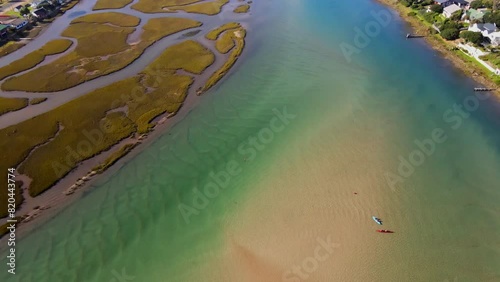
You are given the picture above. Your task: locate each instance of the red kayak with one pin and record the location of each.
(384, 231)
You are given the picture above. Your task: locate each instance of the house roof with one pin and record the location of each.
(3, 26)
(441, 1)
(475, 14)
(452, 9)
(17, 22)
(487, 26)
(40, 11)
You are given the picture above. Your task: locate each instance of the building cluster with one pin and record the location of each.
(29, 14)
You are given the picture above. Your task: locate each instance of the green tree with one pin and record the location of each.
(471, 36)
(24, 11)
(448, 23)
(476, 4)
(437, 8)
(493, 17)
(450, 33)
(456, 16)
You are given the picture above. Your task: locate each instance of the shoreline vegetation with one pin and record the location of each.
(12, 104)
(102, 49)
(48, 147)
(12, 46)
(211, 8)
(447, 50)
(242, 9)
(111, 4)
(227, 39)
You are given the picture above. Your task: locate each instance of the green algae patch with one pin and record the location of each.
(102, 49)
(10, 47)
(12, 104)
(214, 34)
(49, 146)
(36, 101)
(34, 58)
(113, 18)
(160, 6)
(207, 8)
(242, 9)
(239, 39)
(111, 4)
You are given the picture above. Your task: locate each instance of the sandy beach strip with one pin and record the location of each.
(310, 218)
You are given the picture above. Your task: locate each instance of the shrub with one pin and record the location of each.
(405, 3)
(473, 37)
(456, 16)
(411, 14)
(450, 33)
(437, 8)
(429, 17)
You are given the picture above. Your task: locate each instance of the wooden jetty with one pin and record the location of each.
(409, 36)
(483, 89)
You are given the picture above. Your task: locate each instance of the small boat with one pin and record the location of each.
(384, 231)
(377, 220)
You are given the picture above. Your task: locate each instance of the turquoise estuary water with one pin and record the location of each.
(269, 161)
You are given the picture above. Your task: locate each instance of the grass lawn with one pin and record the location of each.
(12, 104)
(111, 4)
(34, 58)
(63, 139)
(242, 8)
(87, 61)
(69, 6)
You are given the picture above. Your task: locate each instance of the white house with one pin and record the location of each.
(485, 29)
(450, 10)
(494, 38)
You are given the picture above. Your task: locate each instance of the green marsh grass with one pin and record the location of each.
(12, 104)
(111, 4)
(34, 58)
(86, 62)
(56, 141)
(242, 9)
